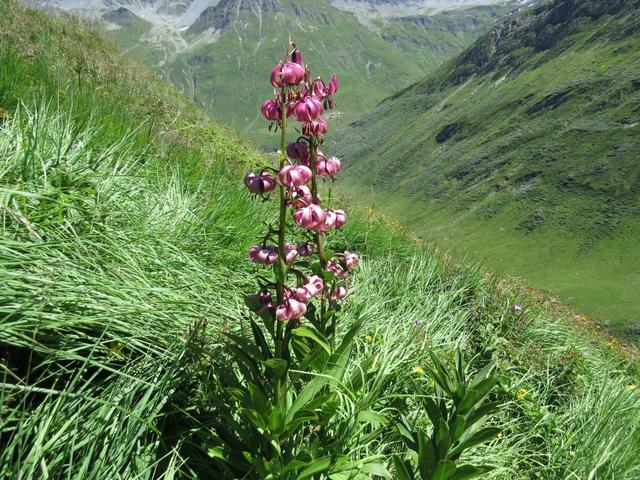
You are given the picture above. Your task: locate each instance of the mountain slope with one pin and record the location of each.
(216, 52)
(524, 151)
(124, 229)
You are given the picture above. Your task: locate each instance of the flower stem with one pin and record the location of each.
(318, 236)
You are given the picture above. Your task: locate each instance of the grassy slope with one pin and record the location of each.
(124, 234)
(371, 61)
(542, 180)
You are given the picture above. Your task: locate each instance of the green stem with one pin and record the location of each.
(281, 269)
(317, 236)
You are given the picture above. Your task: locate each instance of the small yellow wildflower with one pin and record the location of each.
(418, 370)
(522, 393)
(499, 435)
(62, 92)
(368, 338)
(631, 387)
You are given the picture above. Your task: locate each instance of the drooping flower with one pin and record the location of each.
(339, 293)
(328, 167)
(334, 267)
(341, 218)
(306, 249)
(329, 222)
(308, 109)
(294, 175)
(271, 110)
(299, 151)
(313, 287)
(301, 197)
(309, 217)
(315, 128)
(261, 183)
(290, 253)
(261, 301)
(291, 309)
(287, 74)
(350, 260)
(263, 254)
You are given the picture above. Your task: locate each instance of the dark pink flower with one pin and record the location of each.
(315, 128)
(294, 175)
(299, 151)
(287, 74)
(308, 109)
(296, 57)
(271, 110)
(263, 254)
(309, 217)
(328, 167)
(259, 184)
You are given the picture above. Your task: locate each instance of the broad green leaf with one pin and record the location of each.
(469, 472)
(401, 470)
(260, 340)
(444, 470)
(217, 452)
(277, 365)
(443, 438)
(426, 456)
(482, 436)
(376, 469)
(314, 335)
(317, 466)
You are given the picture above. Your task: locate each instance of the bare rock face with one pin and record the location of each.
(221, 15)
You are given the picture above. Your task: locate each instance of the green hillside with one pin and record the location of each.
(125, 228)
(524, 151)
(219, 60)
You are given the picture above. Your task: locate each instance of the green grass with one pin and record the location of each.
(123, 262)
(540, 179)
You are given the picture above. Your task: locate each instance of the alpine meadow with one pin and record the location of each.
(197, 287)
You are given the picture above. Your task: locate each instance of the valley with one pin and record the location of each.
(523, 152)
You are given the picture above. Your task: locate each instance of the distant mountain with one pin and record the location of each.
(220, 52)
(525, 150)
